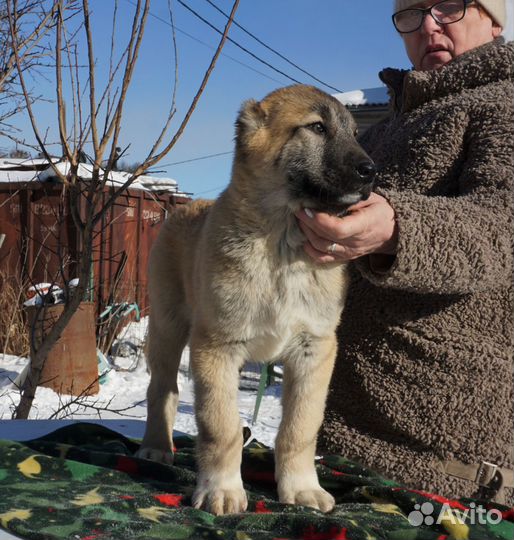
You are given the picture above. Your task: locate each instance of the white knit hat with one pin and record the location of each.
(495, 8)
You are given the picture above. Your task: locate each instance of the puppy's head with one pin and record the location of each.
(300, 141)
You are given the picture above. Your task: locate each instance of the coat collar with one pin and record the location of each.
(488, 63)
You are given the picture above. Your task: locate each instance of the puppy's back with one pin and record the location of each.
(172, 257)
(181, 229)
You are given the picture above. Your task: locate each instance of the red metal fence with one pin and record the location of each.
(40, 237)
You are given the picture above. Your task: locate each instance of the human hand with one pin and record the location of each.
(369, 228)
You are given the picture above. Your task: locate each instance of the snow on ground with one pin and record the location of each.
(124, 390)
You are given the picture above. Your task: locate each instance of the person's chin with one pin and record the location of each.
(435, 60)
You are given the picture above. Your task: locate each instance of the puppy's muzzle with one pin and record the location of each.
(366, 171)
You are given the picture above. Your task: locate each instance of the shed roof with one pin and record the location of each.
(366, 96)
(23, 163)
(29, 170)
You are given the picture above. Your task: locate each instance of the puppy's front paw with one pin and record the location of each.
(315, 497)
(155, 454)
(220, 498)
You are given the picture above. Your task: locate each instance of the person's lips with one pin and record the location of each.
(434, 49)
(435, 55)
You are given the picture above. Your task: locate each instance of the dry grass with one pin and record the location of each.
(14, 337)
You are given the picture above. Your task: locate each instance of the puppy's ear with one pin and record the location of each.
(251, 117)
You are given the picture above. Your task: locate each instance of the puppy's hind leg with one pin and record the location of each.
(307, 374)
(166, 343)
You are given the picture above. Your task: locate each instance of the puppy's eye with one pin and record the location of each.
(356, 132)
(317, 127)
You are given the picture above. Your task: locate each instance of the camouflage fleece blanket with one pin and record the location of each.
(82, 482)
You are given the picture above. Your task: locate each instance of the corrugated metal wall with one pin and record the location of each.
(41, 236)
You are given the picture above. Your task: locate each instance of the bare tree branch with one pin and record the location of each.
(152, 159)
(138, 29)
(61, 108)
(172, 110)
(95, 125)
(28, 102)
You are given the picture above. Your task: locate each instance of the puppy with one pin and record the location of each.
(232, 278)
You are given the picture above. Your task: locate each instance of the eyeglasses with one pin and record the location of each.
(445, 12)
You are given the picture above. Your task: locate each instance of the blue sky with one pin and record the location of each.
(344, 43)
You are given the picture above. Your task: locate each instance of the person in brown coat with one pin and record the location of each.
(422, 391)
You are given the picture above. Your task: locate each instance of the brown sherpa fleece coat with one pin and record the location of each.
(424, 370)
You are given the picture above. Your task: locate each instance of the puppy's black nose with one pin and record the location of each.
(366, 169)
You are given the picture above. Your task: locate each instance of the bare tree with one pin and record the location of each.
(89, 119)
(32, 21)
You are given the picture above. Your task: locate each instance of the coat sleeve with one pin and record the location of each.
(461, 244)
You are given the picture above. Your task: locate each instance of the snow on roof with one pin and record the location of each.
(367, 96)
(116, 178)
(18, 176)
(22, 163)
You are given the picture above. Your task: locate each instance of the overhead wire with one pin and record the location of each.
(229, 57)
(247, 51)
(244, 49)
(280, 55)
(197, 159)
(209, 156)
(211, 190)
(190, 36)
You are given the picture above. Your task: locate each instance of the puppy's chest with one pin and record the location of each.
(294, 301)
(289, 297)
